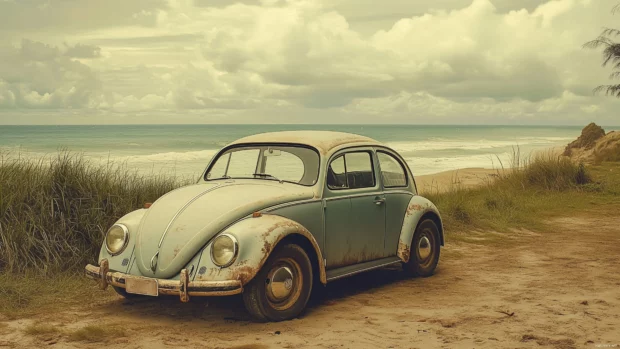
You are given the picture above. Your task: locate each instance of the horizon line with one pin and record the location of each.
(318, 124)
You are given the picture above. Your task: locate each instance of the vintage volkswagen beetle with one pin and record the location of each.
(272, 215)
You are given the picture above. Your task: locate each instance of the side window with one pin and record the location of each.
(392, 171)
(359, 170)
(351, 171)
(336, 174)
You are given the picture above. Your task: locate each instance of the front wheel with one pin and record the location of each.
(424, 250)
(281, 289)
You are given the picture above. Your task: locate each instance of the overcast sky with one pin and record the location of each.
(303, 61)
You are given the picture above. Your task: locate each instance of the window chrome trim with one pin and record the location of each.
(351, 196)
(259, 146)
(343, 153)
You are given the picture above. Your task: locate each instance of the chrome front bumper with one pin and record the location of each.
(183, 287)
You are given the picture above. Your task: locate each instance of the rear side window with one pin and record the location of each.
(351, 171)
(393, 173)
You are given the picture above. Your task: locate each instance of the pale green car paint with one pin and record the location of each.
(342, 227)
(180, 223)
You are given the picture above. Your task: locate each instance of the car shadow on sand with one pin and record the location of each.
(231, 308)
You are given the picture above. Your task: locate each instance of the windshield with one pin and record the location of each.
(294, 164)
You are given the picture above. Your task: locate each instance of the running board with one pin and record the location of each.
(349, 270)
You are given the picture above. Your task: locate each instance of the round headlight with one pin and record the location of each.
(224, 250)
(116, 239)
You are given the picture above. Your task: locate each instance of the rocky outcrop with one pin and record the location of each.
(589, 135)
(594, 146)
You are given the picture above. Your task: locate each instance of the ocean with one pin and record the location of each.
(185, 150)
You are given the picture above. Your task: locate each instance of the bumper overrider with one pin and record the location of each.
(155, 287)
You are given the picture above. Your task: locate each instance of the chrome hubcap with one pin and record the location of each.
(281, 283)
(424, 248)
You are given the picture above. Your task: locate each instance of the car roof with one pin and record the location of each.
(324, 141)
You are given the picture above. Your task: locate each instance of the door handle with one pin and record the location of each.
(379, 201)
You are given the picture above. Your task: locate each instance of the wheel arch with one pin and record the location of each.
(418, 210)
(257, 238)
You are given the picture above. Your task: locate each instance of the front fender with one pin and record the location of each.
(120, 262)
(257, 237)
(418, 207)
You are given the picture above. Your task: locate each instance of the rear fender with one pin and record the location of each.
(418, 208)
(257, 238)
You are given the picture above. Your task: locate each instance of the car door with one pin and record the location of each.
(354, 209)
(398, 190)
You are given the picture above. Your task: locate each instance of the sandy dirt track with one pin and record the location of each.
(523, 290)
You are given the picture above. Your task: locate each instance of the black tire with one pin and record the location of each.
(421, 262)
(290, 297)
(122, 292)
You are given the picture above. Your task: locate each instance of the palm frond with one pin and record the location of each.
(614, 75)
(610, 32)
(609, 90)
(598, 42)
(611, 54)
(615, 9)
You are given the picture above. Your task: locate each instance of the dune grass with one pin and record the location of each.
(608, 153)
(527, 193)
(54, 212)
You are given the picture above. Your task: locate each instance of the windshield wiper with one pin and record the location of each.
(265, 175)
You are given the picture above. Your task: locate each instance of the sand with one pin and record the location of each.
(465, 178)
(552, 290)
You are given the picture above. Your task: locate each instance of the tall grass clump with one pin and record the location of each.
(545, 171)
(515, 196)
(54, 212)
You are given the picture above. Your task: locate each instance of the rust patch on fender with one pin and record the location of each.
(404, 252)
(413, 207)
(244, 273)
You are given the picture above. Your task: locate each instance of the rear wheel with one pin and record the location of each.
(424, 250)
(281, 289)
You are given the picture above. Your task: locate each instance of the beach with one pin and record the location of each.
(497, 290)
(506, 278)
(462, 178)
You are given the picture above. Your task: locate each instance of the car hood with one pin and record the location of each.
(181, 222)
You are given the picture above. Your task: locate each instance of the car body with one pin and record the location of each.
(272, 215)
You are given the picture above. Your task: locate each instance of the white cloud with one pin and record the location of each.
(36, 75)
(481, 60)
